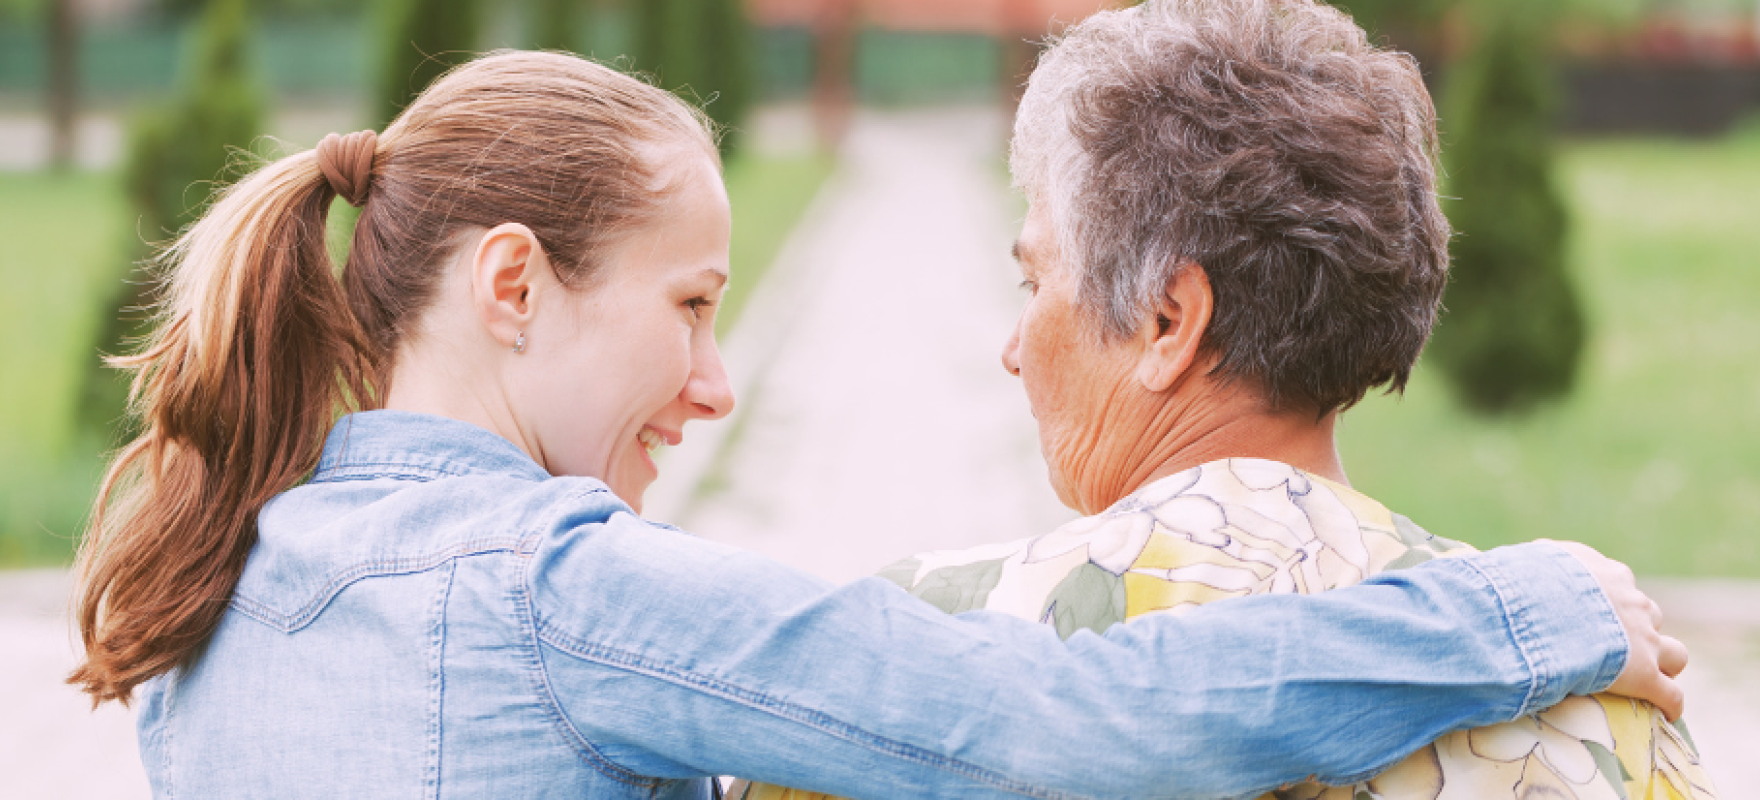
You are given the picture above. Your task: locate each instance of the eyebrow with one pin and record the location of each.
(720, 275)
(1015, 250)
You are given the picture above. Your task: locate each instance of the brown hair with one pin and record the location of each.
(1268, 142)
(259, 346)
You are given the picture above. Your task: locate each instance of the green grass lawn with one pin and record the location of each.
(1655, 459)
(62, 240)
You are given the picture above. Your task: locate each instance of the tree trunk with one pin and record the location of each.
(834, 57)
(63, 82)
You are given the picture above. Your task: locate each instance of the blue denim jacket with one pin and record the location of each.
(433, 615)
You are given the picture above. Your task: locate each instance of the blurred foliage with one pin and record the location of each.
(49, 318)
(277, 8)
(177, 157)
(178, 154)
(423, 39)
(556, 24)
(1376, 16)
(1373, 14)
(1651, 459)
(1513, 332)
(33, 9)
(701, 49)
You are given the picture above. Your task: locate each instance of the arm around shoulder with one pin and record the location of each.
(674, 657)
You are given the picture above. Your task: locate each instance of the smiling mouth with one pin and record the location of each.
(651, 440)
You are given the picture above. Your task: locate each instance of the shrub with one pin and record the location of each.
(1514, 330)
(556, 24)
(423, 38)
(177, 156)
(179, 153)
(702, 50)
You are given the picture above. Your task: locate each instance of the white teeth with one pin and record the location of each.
(650, 439)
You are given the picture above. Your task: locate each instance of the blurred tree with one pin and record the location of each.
(703, 50)
(556, 24)
(1377, 16)
(424, 38)
(192, 141)
(267, 8)
(63, 82)
(177, 156)
(1514, 330)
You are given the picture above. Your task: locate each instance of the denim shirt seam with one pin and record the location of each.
(1519, 626)
(437, 681)
(165, 732)
(546, 692)
(374, 568)
(367, 471)
(626, 661)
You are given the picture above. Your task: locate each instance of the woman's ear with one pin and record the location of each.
(1172, 338)
(506, 272)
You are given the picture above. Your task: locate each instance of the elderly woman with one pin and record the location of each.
(1234, 236)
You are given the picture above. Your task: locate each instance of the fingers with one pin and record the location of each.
(1671, 656)
(1669, 698)
(1653, 660)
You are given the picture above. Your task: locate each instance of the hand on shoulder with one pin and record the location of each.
(1654, 659)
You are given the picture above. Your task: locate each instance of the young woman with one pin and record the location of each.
(451, 594)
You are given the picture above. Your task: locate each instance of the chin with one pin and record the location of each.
(631, 494)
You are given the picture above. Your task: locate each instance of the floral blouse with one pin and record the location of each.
(1247, 526)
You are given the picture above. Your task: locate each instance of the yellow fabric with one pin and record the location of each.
(1246, 526)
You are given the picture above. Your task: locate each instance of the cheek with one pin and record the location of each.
(656, 365)
(1045, 358)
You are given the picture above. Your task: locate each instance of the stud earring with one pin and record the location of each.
(519, 343)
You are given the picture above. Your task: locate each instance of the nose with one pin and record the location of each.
(708, 391)
(1011, 351)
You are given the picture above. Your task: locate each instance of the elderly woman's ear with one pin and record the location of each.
(1171, 337)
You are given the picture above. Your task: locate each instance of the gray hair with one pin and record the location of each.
(1267, 142)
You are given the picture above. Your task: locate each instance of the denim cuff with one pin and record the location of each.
(1559, 619)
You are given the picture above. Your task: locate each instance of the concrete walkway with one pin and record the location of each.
(52, 744)
(875, 421)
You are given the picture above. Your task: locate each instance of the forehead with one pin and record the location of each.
(1036, 247)
(688, 231)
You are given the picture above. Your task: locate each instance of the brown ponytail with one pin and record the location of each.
(259, 346)
(236, 389)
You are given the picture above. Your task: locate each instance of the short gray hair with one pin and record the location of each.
(1267, 142)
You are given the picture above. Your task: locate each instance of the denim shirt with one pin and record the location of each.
(433, 615)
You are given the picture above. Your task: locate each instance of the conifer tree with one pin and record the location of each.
(556, 24)
(703, 50)
(177, 157)
(1514, 330)
(423, 38)
(179, 154)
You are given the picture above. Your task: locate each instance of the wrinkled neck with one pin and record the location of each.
(1198, 424)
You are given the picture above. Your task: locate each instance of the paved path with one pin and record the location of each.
(875, 418)
(52, 745)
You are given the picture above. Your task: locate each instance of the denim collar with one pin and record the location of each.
(403, 444)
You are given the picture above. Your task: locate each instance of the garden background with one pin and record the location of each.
(1654, 456)
(1649, 143)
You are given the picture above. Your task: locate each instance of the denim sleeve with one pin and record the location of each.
(668, 656)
